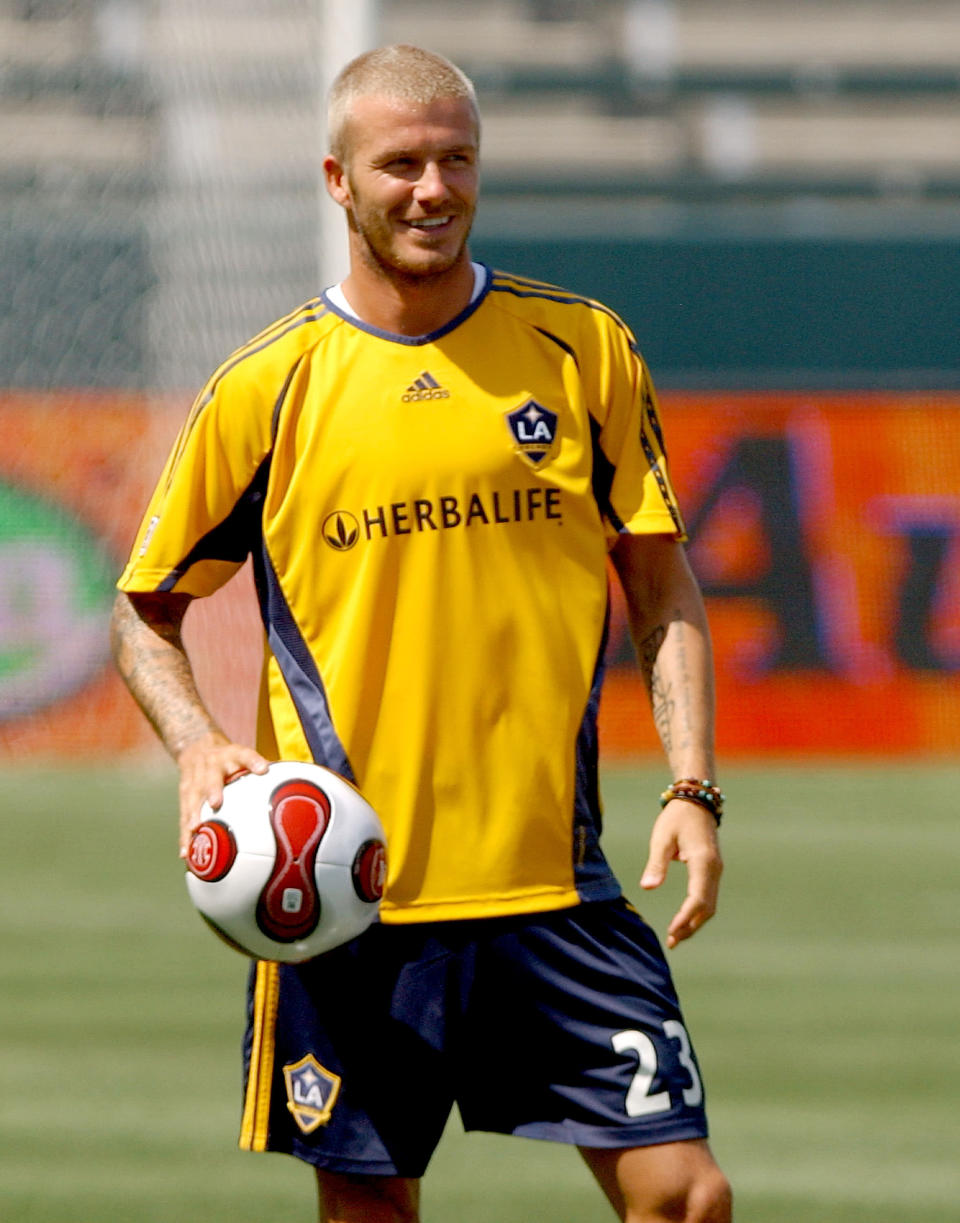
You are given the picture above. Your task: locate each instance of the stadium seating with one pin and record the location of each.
(153, 135)
(734, 91)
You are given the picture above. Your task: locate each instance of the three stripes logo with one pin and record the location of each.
(425, 387)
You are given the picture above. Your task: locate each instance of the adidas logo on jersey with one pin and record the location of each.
(425, 387)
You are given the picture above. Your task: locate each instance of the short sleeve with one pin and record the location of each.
(203, 517)
(631, 476)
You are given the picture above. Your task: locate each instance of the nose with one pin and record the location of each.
(431, 186)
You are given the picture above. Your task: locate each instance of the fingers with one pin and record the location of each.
(699, 906)
(663, 850)
(205, 768)
(686, 832)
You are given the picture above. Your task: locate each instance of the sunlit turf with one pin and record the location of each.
(824, 1001)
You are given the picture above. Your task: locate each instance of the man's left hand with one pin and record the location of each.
(686, 832)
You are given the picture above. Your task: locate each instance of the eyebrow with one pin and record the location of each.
(413, 151)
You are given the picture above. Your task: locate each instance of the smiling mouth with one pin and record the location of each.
(428, 223)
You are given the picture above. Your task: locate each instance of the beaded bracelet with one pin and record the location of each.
(704, 793)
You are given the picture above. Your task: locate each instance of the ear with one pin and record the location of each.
(335, 177)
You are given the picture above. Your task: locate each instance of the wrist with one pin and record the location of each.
(701, 791)
(202, 739)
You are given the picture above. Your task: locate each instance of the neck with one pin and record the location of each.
(409, 305)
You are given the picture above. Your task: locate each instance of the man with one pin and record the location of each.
(430, 465)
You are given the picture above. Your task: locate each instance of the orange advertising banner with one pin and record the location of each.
(825, 531)
(824, 528)
(69, 482)
(76, 470)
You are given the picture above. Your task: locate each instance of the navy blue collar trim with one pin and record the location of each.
(414, 341)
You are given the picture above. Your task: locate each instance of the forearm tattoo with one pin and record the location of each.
(661, 697)
(151, 659)
(670, 686)
(684, 722)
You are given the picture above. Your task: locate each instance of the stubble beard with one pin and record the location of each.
(376, 243)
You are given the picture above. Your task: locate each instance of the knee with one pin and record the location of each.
(672, 1183)
(710, 1199)
(705, 1199)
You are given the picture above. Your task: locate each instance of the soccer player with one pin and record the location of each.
(430, 465)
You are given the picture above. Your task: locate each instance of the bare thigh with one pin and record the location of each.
(367, 1199)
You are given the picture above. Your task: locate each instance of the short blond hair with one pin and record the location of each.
(401, 71)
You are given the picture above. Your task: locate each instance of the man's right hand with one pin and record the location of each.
(206, 765)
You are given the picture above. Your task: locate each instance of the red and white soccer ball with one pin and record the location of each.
(292, 864)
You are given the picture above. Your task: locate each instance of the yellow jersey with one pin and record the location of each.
(429, 520)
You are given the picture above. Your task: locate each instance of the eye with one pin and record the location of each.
(399, 166)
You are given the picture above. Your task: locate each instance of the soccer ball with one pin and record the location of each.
(291, 865)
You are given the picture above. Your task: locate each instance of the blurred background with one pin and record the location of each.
(769, 194)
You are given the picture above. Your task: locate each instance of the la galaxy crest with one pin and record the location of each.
(312, 1091)
(534, 430)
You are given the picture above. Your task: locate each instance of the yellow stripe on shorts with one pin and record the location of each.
(254, 1129)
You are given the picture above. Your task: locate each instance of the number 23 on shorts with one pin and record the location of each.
(639, 1101)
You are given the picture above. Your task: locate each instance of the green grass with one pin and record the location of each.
(824, 1001)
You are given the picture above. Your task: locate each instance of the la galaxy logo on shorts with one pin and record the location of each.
(312, 1091)
(534, 429)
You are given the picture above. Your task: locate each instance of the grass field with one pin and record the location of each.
(824, 1001)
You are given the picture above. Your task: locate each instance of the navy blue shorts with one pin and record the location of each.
(562, 1026)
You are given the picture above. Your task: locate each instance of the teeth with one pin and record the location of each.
(429, 222)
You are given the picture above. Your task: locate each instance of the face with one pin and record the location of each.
(409, 185)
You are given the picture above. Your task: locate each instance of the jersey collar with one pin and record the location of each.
(335, 302)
